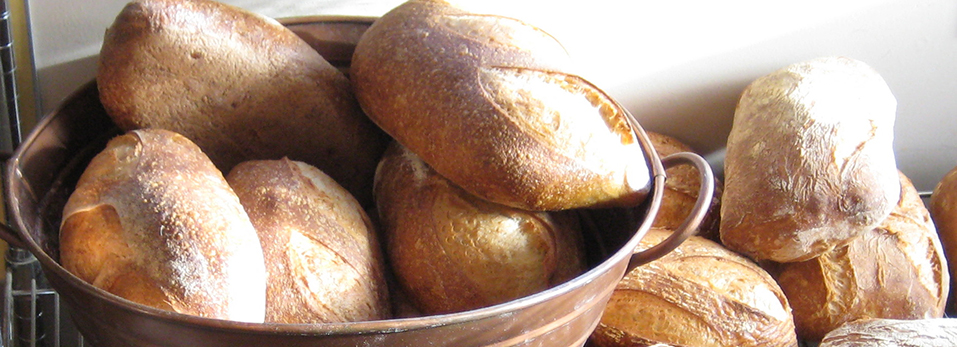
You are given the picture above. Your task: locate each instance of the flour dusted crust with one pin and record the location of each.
(238, 84)
(323, 260)
(810, 162)
(875, 332)
(452, 251)
(700, 294)
(153, 221)
(491, 104)
(894, 271)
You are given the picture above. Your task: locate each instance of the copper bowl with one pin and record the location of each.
(42, 172)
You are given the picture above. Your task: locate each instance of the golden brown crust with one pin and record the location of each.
(681, 190)
(153, 221)
(452, 251)
(810, 160)
(895, 271)
(943, 210)
(238, 84)
(701, 294)
(489, 103)
(322, 257)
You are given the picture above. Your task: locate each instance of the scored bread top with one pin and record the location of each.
(153, 221)
(491, 103)
(238, 84)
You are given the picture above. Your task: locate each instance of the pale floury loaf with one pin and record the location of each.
(810, 161)
(154, 222)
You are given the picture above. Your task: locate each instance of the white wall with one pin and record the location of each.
(677, 65)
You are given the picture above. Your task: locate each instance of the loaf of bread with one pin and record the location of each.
(681, 190)
(894, 271)
(939, 332)
(490, 103)
(154, 222)
(451, 251)
(810, 160)
(238, 84)
(701, 294)
(323, 259)
(943, 210)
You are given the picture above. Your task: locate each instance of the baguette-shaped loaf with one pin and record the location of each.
(323, 258)
(894, 271)
(451, 251)
(238, 84)
(681, 190)
(489, 103)
(700, 294)
(810, 160)
(153, 221)
(874, 332)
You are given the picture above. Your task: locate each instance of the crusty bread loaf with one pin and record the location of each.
(681, 190)
(871, 332)
(153, 221)
(238, 84)
(323, 259)
(452, 252)
(810, 160)
(896, 271)
(491, 104)
(943, 210)
(701, 294)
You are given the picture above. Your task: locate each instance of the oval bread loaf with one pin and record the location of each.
(700, 294)
(153, 221)
(240, 85)
(490, 104)
(810, 160)
(323, 259)
(895, 271)
(451, 251)
(943, 210)
(875, 332)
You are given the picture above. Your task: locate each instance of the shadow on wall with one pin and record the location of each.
(69, 77)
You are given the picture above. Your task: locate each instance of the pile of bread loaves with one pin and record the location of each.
(256, 182)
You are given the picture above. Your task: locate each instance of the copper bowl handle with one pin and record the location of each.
(693, 221)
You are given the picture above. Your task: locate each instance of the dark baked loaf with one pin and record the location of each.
(452, 251)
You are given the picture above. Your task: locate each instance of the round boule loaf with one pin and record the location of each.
(451, 251)
(238, 84)
(490, 103)
(153, 221)
(700, 294)
(810, 160)
(323, 259)
(894, 271)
